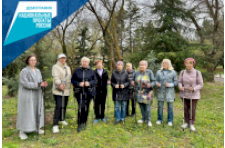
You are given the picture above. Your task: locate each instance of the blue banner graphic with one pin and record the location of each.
(26, 22)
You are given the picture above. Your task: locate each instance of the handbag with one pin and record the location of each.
(144, 94)
(146, 97)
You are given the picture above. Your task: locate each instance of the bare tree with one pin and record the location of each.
(110, 22)
(211, 10)
(61, 30)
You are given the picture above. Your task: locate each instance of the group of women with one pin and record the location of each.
(127, 85)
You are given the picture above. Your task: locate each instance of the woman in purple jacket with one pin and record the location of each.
(190, 84)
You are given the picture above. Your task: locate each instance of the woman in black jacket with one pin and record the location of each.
(130, 71)
(120, 84)
(101, 91)
(84, 81)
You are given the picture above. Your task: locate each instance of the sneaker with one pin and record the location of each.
(158, 122)
(127, 115)
(64, 123)
(117, 122)
(123, 122)
(103, 120)
(96, 121)
(79, 128)
(23, 135)
(192, 127)
(185, 125)
(149, 123)
(170, 124)
(55, 129)
(40, 131)
(83, 126)
(132, 115)
(140, 121)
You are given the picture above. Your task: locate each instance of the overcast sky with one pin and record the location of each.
(88, 17)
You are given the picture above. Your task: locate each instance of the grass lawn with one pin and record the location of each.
(209, 126)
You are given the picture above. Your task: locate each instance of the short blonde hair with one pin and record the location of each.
(170, 67)
(129, 64)
(85, 58)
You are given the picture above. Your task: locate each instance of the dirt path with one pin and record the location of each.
(219, 79)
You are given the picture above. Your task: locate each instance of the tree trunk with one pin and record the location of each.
(131, 38)
(111, 59)
(210, 69)
(116, 43)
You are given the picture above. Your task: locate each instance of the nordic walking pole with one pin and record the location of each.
(164, 98)
(63, 97)
(135, 107)
(80, 104)
(108, 86)
(84, 95)
(39, 115)
(44, 106)
(121, 95)
(62, 111)
(74, 107)
(62, 106)
(163, 102)
(93, 108)
(191, 113)
(79, 112)
(107, 98)
(191, 110)
(183, 106)
(140, 88)
(85, 107)
(183, 96)
(38, 119)
(134, 97)
(116, 100)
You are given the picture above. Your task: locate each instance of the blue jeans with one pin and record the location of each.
(120, 109)
(145, 111)
(169, 108)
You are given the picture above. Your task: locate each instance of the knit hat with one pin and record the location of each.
(119, 62)
(191, 59)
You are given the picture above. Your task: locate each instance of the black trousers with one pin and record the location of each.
(131, 98)
(58, 109)
(99, 107)
(83, 107)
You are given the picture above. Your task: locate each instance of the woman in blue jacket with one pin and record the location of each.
(166, 80)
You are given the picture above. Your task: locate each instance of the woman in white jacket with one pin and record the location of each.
(61, 89)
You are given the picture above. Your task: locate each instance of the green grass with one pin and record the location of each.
(209, 125)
